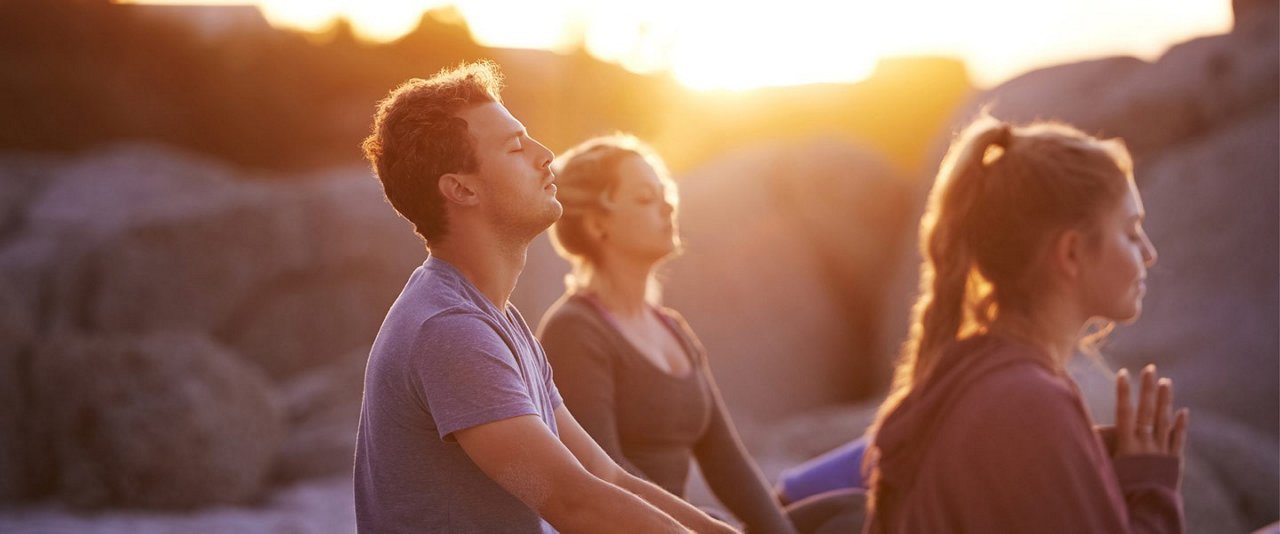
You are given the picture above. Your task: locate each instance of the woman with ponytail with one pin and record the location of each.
(1033, 247)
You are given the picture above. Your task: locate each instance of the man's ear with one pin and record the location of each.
(458, 189)
(1067, 253)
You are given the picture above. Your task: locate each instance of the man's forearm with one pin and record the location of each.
(685, 513)
(604, 505)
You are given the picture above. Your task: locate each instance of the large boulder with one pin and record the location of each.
(167, 420)
(17, 331)
(1210, 316)
(291, 275)
(785, 248)
(33, 280)
(1193, 88)
(322, 410)
(21, 178)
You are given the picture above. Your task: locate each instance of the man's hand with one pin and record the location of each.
(1152, 429)
(523, 456)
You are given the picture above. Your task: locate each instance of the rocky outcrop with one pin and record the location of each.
(785, 246)
(322, 412)
(291, 276)
(167, 420)
(1210, 314)
(125, 243)
(16, 329)
(1195, 87)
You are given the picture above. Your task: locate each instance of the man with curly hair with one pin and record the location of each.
(462, 428)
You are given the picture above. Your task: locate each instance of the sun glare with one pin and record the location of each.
(729, 44)
(382, 20)
(725, 46)
(546, 24)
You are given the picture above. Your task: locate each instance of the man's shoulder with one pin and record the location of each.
(437, 286)
(422, 334)
(458, 325)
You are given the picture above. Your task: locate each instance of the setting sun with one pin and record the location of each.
(724, 44)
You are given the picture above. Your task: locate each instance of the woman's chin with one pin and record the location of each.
(1130, 316)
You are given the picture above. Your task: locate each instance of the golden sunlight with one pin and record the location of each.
(383, 20)
(728, 44)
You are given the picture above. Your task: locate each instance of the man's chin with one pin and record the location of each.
(550, 216)
(555, 211)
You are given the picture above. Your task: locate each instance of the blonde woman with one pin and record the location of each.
(630, 370)
(1032, 234)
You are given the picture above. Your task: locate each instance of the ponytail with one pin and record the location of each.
(948, 279)
(954, 297)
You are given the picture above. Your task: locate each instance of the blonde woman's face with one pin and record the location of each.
(641, 221)
(1114, 273)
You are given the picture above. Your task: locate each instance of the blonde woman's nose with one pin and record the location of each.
(1149, 253)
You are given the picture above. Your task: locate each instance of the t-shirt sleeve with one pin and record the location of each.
(468, 374)
(549, 381)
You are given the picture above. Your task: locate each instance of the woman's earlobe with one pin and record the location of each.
(595, 227)
(1067, 253)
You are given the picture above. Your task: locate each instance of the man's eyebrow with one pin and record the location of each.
(517, 133)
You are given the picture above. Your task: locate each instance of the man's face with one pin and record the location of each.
(515, 183)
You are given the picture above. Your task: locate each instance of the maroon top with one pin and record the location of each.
(999, 442)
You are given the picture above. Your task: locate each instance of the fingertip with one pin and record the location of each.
(1180, 419)
(1150, 368)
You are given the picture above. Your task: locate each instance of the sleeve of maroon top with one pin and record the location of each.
(1030, 462)
(583, 368)
(1150, 483)
(1150, 486)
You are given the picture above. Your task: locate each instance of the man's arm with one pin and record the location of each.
(525, 458)
(598, 463)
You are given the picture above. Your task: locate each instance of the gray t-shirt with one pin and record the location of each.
(446, 359)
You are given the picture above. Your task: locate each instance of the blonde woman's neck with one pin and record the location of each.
(621, 287)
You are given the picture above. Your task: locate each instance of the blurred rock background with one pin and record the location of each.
(184, 324)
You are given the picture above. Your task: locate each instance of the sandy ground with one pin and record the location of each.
(318, 506)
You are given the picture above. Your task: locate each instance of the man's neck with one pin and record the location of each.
(491, 264)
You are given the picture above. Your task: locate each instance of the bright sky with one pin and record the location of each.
(735, 44)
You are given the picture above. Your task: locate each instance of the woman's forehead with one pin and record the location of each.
(636, 170)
